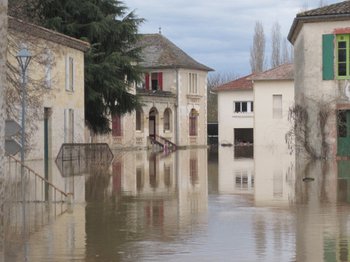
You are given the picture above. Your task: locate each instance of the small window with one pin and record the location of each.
(68, 125)
(167, 119)
(154, 81)
(139, 120)
(193, 119)
(48, 60)
(277, 107)
(69, 74)
(192, 83)
(117, 125)
(243, 107)
(343, 68)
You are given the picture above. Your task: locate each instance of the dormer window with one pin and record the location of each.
(154, 81)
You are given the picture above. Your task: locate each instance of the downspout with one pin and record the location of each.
(177, 124)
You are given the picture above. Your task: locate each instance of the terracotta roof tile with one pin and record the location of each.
(282, 72)
(334, 12)
(159, 52)
(334, 9)
(243, 83)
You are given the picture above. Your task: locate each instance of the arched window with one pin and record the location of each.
(139, 120)
(193, 119)
(167, 119)
(117, 125)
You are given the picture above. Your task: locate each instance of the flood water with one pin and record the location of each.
(193, 205)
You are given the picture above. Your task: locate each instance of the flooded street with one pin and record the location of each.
(193, 205)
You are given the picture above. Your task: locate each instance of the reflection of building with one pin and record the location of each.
(274, 176)
(236, 175)
(166, 186)
(173, 92)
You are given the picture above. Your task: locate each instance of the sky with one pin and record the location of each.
(218, 33)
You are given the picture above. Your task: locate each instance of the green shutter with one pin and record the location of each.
(328, 57)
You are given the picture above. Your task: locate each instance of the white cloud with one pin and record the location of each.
(217, 33)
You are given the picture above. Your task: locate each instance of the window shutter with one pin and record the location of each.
(328, 57)
(147, 81)
(67, 72)
(160, 80)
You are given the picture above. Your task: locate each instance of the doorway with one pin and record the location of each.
(152, 119)
(47, 147)
(343, 126)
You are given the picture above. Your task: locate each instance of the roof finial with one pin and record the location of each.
(160, 30)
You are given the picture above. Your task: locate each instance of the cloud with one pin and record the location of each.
(217, 33)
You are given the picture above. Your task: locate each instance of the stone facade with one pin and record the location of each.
(55, 85)
(173, 93)
(320, 90)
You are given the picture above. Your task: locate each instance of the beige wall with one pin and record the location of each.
(55, 97)
(270, 131)
(180, 107)
(228, 120)
(310, 89)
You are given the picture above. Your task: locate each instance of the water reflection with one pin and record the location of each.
(193, 206)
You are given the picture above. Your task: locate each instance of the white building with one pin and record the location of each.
(236, 111)
(273, 98)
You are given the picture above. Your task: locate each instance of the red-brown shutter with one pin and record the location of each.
(160, 80)
(147, 81)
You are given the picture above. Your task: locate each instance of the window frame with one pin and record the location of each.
(347, 55)
(117, 126)
(70, 73)
(193, 83)
(167, 120)
(277, 112)
(249, 107)
(193, 123)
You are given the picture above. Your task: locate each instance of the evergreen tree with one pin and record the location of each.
(110, 65)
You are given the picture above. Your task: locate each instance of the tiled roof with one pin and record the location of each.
(335, 12)
(334, 9)
(243, 83)
(159, 52)
(282, 72)
(44, 33)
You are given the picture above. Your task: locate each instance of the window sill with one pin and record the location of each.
(243, 115)
(193, 96)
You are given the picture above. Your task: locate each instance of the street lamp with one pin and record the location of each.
(23, 57)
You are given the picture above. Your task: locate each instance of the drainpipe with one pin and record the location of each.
(177, 124)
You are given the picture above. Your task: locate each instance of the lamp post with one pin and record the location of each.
(23, 57)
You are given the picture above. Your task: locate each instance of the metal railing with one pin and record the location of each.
(40, 185)
(165, 144)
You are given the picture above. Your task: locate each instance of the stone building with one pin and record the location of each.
(174, 96)
(55, 88)
(321, 40)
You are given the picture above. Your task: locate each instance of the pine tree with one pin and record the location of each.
(110, 64)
